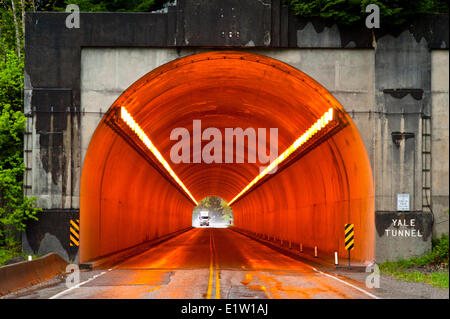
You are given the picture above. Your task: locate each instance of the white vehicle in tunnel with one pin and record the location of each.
(204, 218)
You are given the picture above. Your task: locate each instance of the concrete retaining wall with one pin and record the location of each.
(440, 140)
(391, 82)
(27, 273)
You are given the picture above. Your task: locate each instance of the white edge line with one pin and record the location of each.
(348, 284)
(78, 285)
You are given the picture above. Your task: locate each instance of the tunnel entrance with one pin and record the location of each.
(213, 212)
(131, 192)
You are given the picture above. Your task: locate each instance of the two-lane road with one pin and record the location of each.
(211, 263)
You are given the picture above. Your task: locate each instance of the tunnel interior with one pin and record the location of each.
(125, 200)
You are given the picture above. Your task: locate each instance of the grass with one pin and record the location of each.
(439, 278)
(431, 268)
(7, 254)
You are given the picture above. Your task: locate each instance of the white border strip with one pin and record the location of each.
(78, 285)
(346, 283)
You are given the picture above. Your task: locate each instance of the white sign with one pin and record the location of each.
(403, 202)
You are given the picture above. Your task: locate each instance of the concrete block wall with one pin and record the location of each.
(388, 80)
(440, 140)
(350, 76)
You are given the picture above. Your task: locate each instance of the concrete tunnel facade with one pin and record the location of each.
(125, 201)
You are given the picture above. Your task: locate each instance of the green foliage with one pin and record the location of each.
(406, 269)
(347, 12)
(7, 254)
(109, 6)
(215, 205)
(437, 256)
(12, 252)
(7, 32)
(437, 278)
(113, 6)
(439, 253)
(15, 208)
(226, 211)
(11, 74)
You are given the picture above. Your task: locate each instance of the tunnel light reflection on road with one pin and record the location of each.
(315, 128)
(128, 119)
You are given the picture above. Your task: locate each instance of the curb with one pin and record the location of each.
(295, 253)
(28, 273)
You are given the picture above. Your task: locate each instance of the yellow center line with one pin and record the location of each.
(154, 288)
(211, 270)
(217, 270)
(213, 264)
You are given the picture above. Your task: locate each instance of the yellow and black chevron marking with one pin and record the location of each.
(349, 236)
(75, 232)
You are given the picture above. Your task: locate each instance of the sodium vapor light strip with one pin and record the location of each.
(128, 119)
(316, 127)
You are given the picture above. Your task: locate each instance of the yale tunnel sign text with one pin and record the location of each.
(404, 228)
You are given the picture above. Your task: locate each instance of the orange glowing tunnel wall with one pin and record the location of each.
(125, 201)
(310, 202)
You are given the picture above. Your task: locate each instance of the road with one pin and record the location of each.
(208, 263)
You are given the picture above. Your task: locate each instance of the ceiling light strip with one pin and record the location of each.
(315, 128)
(128, 119)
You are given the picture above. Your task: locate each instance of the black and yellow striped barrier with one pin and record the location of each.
(349, 236)
(75, 232)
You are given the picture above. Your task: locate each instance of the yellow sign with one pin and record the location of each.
(74, 232)
(349, 236)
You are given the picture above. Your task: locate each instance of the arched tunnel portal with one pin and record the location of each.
(126, 199)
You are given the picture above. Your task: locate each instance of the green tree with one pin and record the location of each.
(393, 12)
(15, 208)
(108, 6)
(215, 205)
